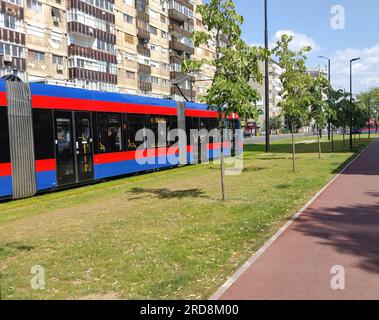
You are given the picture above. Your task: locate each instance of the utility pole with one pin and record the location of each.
(351, 100)
(267, 84)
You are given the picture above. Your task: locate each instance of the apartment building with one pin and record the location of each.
(275, 88)
(130, 46)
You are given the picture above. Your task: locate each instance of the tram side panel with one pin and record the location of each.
(5, 161)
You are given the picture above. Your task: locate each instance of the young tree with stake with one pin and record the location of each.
(296, 83)
(235, 65)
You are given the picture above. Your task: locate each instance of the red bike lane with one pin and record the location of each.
(333, 244)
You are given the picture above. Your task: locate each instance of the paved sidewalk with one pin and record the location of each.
(341, 227)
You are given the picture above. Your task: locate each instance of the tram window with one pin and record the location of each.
(173, 126)
(159, 125)
(188, 129)
(43, 134)
(212, 124)
(134, 124)
(4, 136)
(203, 123)
(109, 132)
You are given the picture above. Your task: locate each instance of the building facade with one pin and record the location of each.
(275, 88)
(129, 46)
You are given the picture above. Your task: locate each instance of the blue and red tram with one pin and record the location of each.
(55, 136)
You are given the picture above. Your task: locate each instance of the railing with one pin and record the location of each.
(145, 86)
(178, 46)
(143, 51)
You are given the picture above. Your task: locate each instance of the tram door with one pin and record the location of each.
(74, 147)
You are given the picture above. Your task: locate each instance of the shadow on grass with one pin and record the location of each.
(165, 193)
(253, 169)
(12, 248)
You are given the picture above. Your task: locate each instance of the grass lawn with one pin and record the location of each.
(164, 235)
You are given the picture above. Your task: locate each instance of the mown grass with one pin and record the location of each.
(164, 235)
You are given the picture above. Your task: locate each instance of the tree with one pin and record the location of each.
(276, 123)
(296, 83)
(319, 111)
(370, 100)
(235, 64)
(342, 109)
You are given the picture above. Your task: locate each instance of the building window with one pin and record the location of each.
(9, 21)
(130, 75)
(34, 5)
(128, 18)
(163, 18)
(36, 55)
(109, 132)
(12, 50)
(129, 2)
(164, 35)
(129, 38)
(154, 80)
(153, 30)
(56, 14)
(57, 59)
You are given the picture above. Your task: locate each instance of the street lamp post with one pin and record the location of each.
(329, 123)
(351, 100)
(267, 84)
(369, 115)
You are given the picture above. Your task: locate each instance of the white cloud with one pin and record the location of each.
(365, 71)
(299, 41)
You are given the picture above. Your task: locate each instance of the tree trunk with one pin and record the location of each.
(332, 137)
(319, 146)
(293, 148)
(222, 168)
(344, 142)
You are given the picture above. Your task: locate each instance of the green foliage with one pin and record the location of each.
(276, 123)
(319, 111)
(235, 64)
(296, 83)
(370, 100)
(340, 106)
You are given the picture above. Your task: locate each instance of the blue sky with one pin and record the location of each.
(310, 22)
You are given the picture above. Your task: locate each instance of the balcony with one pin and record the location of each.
(181, 47)
(178, 31)
(144, 51)
(178, 16)
(186, 92)
(176, 59)
(143, 16)
(89, 32)
(91, 75)
(176, 75)
(12, 9)
(143, 34)
(143, 68)
(14, 63)
(145, 86)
